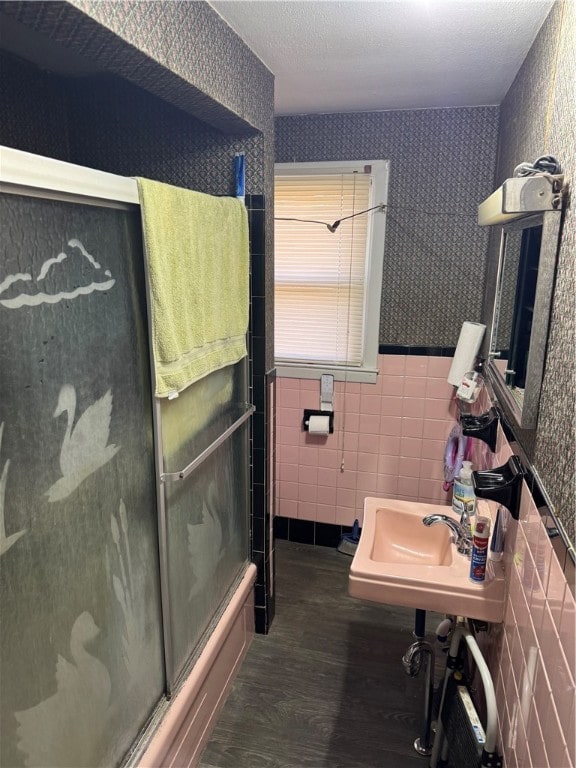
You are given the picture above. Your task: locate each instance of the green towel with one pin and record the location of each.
(196, 249)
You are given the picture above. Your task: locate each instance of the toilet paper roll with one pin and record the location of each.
(319, 425)
(467, 348)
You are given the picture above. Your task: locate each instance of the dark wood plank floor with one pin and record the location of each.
(326, 687)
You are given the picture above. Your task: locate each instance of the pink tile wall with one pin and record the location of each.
(534, 668)
(388, 440)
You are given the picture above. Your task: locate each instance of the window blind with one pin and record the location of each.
(320, 276)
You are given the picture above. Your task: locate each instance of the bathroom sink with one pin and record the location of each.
(400, 561)
(411, 542)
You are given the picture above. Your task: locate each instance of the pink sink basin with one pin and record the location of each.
(400, 561)
(411, 541)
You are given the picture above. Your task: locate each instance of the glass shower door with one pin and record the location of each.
(80, 643)
(205, 433)
(114, 563)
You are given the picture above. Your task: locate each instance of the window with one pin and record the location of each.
(328, 283)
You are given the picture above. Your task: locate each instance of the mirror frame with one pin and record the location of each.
(520, 203)
(527, 416)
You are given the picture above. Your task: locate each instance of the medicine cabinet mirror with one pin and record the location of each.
(528, 211)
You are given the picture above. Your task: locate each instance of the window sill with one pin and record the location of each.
(299, 371)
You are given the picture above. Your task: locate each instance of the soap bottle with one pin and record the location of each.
(463, 498)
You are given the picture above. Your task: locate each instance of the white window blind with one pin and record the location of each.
(320, 276)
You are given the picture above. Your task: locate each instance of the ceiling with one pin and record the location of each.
(358, 55)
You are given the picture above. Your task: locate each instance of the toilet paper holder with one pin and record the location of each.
(311, 412)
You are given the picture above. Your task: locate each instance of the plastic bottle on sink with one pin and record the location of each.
(463, 497)
(479, 553)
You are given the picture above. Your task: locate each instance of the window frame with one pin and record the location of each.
(367, 371)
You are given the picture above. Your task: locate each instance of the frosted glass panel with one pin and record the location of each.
(81, 662)
(207, 513)
(191, 422)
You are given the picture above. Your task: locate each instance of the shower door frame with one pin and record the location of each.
(38, 176)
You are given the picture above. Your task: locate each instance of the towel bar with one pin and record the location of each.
(169, 477)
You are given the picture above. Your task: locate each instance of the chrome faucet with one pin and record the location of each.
(462, 537)
(465, 522)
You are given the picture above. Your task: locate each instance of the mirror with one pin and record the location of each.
(524, 288)
(525, 216)
(520, 321)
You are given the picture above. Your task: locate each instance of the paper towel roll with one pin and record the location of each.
(319, 425)
(467, 348)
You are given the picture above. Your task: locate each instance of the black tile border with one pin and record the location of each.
(258, 317)
(259, 500)
(302, 531)
(255, 202)
(281, 528)
(260, 543)
(257, 275)
(260, 596)
(327, 534)
(257, 233)
(261, 620)
(400, 349)
(260, 562)
(309, 531)
(259, 392)
(270, 610)
(258, 538)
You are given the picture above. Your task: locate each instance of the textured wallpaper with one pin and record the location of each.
(106, 123)
(191, 42)
(119, 128)
(158, 63)
(538, 118)
(442, 164)
(33, 110)
(181, 51)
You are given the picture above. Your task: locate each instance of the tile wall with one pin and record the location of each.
(534, 663)
(391, 437)
(389, 440)
(262, 432)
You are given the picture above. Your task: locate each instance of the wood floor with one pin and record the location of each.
(326, 687)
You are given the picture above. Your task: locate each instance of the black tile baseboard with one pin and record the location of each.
(281, 527)
(309, 531)
(302, 531)
(327, 534)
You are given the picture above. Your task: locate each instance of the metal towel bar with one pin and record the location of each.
(169, 477)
